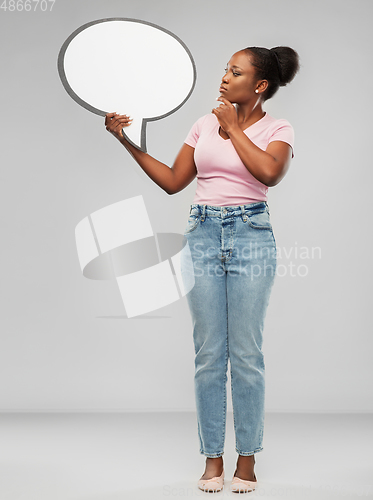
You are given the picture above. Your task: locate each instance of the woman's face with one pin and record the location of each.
(239, 82)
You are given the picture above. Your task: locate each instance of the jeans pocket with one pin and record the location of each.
(259, 219)
(193, 221)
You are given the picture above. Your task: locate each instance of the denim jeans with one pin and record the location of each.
(233, 259)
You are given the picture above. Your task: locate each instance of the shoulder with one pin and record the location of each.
(202, 126)
(275, 124)
(280, 130)
(209, 120)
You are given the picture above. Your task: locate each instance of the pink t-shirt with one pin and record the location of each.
(222, 178)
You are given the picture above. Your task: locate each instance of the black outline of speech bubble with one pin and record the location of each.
(85, 105)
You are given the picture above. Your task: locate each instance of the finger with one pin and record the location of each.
(110, 124)
(222, 105)
(126, 124)
(116, 117)
(108, 117)
(121, 121)
(224, 101)
(217, 114)
(121, 117)
(111, 118)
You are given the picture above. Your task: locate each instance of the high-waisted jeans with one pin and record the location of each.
(233, 260)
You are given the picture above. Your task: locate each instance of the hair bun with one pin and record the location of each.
(277, 65)
(288, 63)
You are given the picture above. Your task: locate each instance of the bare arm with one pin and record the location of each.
(268, 166)
(172, 180)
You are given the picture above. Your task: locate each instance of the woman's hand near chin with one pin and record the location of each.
(114, 124)
(226, 114)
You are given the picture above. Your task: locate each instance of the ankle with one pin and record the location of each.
(214, 467)
(245, 467)
(214, 463)
(246, 459)
(214, 459)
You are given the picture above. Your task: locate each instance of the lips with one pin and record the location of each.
(222, 89)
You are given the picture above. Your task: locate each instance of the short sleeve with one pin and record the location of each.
(283, 132)
(194, 133)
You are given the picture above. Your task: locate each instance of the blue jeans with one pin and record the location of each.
(233, 259)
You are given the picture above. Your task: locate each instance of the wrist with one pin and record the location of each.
(233, 129)
(121, 136)
(122, 139)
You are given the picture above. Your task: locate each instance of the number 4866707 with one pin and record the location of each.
(27, 5)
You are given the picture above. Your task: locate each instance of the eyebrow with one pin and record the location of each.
(234, 66)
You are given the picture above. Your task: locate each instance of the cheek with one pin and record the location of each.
(244, 88)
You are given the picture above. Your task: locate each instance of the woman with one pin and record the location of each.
(236, 152)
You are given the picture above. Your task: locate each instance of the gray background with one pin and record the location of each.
(65, 342)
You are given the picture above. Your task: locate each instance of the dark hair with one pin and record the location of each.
(278, 66)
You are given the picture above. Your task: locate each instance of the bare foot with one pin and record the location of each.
(214, 468)
(245, 468)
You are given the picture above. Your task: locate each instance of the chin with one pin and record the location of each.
(227, 98)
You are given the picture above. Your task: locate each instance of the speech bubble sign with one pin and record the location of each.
(129, 66)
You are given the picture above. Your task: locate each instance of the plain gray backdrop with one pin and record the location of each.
(66, 344)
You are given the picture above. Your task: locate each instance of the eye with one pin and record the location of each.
(234, 73)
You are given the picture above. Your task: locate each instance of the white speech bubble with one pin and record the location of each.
(128, 66)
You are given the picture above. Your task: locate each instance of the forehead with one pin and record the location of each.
(241, 59)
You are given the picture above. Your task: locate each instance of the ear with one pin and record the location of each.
(262, 86)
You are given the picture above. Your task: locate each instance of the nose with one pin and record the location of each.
(225, 78)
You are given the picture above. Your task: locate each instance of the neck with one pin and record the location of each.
(249, 112)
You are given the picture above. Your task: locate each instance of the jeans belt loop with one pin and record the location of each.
(244, 216)
(203, 213)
